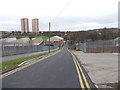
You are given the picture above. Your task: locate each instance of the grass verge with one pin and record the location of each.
(14, 63)
(27, 36)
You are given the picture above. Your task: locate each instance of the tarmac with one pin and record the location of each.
(102, 68)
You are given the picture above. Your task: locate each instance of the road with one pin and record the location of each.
(57, 71)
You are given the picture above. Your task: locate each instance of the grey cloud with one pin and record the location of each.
(62, 22)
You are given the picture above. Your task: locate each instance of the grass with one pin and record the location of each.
(27, 36)
(44, 37)
(13, 63)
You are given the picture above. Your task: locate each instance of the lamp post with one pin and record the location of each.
(49, 37)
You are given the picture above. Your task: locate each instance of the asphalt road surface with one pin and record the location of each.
(57, 71)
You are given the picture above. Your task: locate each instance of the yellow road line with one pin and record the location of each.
(86, 82)
(80, 78)
(78, 72)
(20, 68)
(84, 77)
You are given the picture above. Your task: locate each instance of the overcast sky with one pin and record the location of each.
(76, 15)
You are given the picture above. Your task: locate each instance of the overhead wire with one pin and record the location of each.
(61, 11)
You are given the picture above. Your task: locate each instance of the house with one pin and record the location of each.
(55, 40)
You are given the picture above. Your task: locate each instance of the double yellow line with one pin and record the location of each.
(79, 70)
(77, 65)
(20, 68)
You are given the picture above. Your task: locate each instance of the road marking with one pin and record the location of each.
(20, 68)
(86, 82)
(78, 72)
(78, 66)
(79, 76)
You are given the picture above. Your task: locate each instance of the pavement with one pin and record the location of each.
(101, 67)
(8, 58)
(61, 70)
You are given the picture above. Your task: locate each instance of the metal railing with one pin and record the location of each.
(20, 48)
(100, 46)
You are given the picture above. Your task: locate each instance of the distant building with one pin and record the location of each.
(7, 40)
(55, 40)
(35, 25)
(24, 25)
(36, 41)
(22, 40)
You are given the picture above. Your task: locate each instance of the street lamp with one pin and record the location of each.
(49, 37)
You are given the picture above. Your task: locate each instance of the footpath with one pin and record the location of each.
(101, 67)
(8, 58)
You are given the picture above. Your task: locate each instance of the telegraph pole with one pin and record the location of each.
(49, 37)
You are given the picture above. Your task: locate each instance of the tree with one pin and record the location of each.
(93, 36)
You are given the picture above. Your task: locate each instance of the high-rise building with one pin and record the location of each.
(35, 25)
(24, 25)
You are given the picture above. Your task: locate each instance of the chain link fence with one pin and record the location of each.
(21, 48)
(101, 46)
